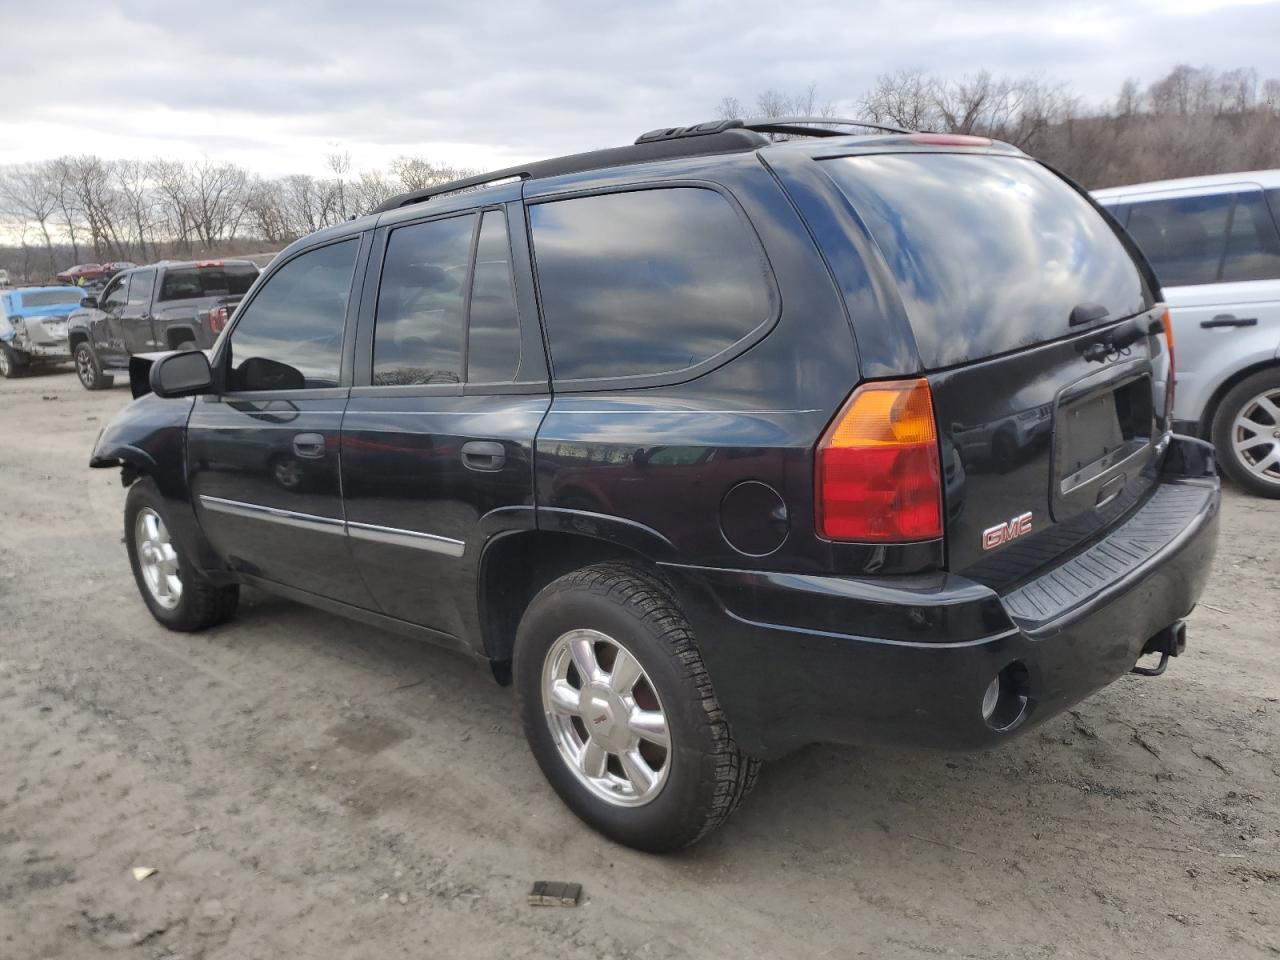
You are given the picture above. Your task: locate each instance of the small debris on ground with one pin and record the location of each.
(555, 893)
(141, 873)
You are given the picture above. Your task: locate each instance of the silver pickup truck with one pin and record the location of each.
(33, 327)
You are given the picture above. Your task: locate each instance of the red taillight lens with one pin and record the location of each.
(879, 477)
(217, 319)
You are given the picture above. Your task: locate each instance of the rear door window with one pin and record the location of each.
(990, 254)
(1218, 238)
(421, 303)
(493, 329)
(1253, 247)
(646, 282)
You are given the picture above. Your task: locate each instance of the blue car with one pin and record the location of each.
(33, 327)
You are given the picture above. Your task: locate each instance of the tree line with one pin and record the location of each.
(84, 208)
(1191, 121)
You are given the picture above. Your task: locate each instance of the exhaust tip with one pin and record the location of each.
(1006, 699)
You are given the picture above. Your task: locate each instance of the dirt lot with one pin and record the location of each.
(306, 787)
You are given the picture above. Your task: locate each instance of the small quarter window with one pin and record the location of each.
(493, 333)
(646, 282)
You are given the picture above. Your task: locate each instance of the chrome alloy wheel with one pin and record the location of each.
(1255, 436)
(157, 558)
(6, 365)
(84, 367)
(606, 718)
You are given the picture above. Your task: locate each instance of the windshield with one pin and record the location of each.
(49, 298)
(990, 253)
(187, 283)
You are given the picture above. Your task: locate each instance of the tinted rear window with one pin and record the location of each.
(646, 282)
(188, 283)
(50, 298)
(990, 253)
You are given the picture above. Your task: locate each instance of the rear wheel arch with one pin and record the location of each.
(514, 567)
(1210, 412)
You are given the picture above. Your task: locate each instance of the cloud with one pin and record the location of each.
(276, 85)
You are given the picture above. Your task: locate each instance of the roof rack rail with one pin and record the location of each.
(809, 126)
(728, 137)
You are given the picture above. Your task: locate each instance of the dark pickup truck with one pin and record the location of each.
(163, 306)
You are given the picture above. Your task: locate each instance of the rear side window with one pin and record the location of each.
(990, 254)
(188, 283)
(421, 301)
(646, 282)
(1222, 237)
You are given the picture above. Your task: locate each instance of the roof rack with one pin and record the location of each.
(712, 136)
(728, 137)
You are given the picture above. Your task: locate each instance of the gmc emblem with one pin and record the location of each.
(1001, 533)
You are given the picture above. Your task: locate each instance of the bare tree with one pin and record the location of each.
(28, 196)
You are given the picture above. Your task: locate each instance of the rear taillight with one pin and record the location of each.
(1167, 323)
(879, 479)
(217, 318)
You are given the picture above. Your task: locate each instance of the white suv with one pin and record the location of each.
(1215, 246)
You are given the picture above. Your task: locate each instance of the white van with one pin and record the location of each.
(1215, 245)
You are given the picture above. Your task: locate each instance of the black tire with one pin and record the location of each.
(202, 604)
(1235, 403)
(12, 363)
(708, 775)
(88, 369)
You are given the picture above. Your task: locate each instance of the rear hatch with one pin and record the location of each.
(1033, 325)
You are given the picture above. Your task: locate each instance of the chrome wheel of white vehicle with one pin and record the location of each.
(157, 558)
(605, 718)
(1255, 436)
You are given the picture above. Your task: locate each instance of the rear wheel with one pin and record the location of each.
(174, 591)
(12, 362)
(89, 370)
(619, 710)
(1246, 433)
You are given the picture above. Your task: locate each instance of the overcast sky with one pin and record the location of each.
(277, 84)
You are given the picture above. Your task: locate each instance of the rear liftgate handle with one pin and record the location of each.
(484, 455)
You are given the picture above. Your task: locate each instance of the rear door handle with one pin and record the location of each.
(1229, 320)
(486, 455)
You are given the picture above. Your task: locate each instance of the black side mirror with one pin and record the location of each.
(183, 374)
(89, 302)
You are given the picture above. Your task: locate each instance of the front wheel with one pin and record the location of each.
(1246, 433)
(11, 362)
(89, 370)
(619, 710)
(175, 592)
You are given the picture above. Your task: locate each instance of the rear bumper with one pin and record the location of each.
(799, 659)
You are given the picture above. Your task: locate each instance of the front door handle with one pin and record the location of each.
(309, 445)
(1228, 320)
(485, 455)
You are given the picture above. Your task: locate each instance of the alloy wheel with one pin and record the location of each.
(606, 718)
(157, 558)
(84, 367)
(6, 365)
(1255, 436)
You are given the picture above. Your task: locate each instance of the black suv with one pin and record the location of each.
(714, 446)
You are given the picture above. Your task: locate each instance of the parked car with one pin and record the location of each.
(1215, 245)
(117, 266)
(82, 273)
(663, 435)
(165, 306)
(33, 327)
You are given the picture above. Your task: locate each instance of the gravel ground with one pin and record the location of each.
(307, 787)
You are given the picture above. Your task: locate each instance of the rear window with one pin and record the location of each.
(990, 254)
(51, 298)
(188, 283)
(646, 282)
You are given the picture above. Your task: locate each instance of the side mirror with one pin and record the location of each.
(185, 374)
(89, 302)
